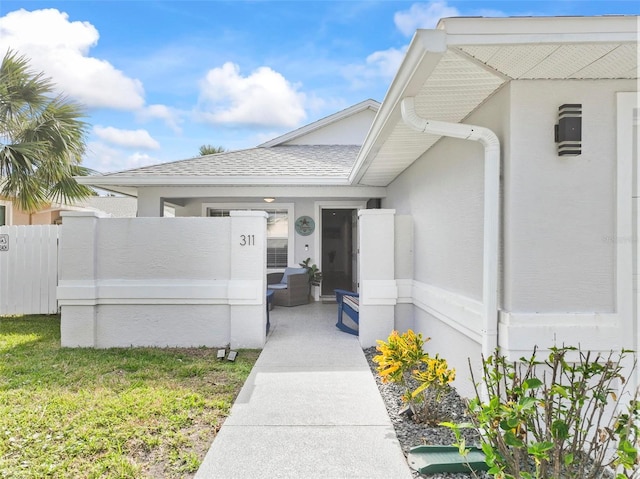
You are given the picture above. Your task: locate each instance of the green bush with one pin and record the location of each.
(556, 418)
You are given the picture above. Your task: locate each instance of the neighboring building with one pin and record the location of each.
(114, 206)
(511, 242)
(5, 213)
(11, 215)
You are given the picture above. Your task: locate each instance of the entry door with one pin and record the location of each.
(337, 250)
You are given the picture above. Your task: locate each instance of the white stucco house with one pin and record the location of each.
(488, 225)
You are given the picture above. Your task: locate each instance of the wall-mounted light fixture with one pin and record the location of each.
(568, 131)
(269, 200)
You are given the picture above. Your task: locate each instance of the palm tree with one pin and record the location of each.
(211, 150)
(42, 139)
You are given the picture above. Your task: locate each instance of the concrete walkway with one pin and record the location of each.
(309, 409)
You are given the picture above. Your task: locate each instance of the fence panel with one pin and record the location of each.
(28, 269)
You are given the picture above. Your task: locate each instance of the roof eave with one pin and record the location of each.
(429, 46)
(137, 181)
(578, 29)
(423, 55)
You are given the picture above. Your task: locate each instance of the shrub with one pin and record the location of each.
(550, 418)
(627, 430)
(424, 378)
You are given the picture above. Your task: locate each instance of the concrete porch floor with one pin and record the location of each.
(309, 409)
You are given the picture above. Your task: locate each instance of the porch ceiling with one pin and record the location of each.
(453, 70)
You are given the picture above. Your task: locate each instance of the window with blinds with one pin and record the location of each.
(277, 235)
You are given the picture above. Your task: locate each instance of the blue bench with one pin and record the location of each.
(270, 294)
(349, 304)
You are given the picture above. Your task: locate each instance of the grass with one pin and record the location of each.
(114, 413)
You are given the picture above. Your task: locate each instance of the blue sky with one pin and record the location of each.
(161, 78)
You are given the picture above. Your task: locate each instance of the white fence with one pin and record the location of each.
(28, 269)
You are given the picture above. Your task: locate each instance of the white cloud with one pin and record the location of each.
(170, 116)
(138, 160)
(423, 15)
(263, 98)
(381, 65)
(126, 138)
(60, 49)
(104, 158)
(386, 62)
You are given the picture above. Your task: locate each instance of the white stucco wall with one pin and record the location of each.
(305, 246)
(348, 131)
(163, 281)
(559, 211)
(443, 191)
(450, 344)
(559, 280)
(378, 288)
(169, 249)
(445, 197)
(568, 279)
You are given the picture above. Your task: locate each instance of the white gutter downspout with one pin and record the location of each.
(491, 209)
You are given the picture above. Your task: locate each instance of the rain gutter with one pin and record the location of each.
(491, 144)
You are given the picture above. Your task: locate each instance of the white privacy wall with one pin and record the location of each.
(163, 281)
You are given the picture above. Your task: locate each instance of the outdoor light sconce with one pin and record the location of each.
(568, 131)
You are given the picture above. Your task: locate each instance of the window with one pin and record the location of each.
(3, 215)
(277, 238)
(277, 234)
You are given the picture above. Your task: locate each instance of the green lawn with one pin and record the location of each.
(115, 413)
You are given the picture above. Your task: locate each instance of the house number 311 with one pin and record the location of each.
(247, 240)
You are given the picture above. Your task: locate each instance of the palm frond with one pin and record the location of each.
(42, 138)
(67, 190)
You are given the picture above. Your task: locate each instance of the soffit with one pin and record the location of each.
(455, 88)
(557, 61)
(467, 75)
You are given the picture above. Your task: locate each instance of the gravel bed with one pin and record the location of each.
(412, 434)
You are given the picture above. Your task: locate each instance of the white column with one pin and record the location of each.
(404, 272)
(248, 277)
(378, 290)
(150, 204)
(77, 279)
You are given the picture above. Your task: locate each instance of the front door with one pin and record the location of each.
(338, 239)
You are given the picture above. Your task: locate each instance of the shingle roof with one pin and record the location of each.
(327, 161)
